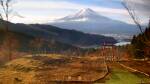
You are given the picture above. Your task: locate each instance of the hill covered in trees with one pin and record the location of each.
(50, 38)
(141, 44)
(74, 37)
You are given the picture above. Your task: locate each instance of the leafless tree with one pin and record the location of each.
(5, 13)
(132, 13)
(135, 18)
(6, 10)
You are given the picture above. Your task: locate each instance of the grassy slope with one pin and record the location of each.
(120, 75)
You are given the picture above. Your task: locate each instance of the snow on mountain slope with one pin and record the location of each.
(83, 15)
(90, 21)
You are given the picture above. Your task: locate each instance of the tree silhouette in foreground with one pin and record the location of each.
(9, 41)
(141, 42)
(132, 13)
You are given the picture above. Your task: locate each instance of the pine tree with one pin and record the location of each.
(141, 44)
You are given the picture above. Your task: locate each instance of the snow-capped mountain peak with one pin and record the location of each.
(82, 15)
(90, 21)
(86, 12)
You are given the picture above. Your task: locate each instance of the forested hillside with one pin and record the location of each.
(70, 37)
(74, 37)
(35, 38)
(141, 44)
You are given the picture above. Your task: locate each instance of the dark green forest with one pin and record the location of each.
(141, 44)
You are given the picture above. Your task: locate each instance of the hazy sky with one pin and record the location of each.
(41, 11)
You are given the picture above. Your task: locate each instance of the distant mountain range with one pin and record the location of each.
(92, 22)
(64, 39)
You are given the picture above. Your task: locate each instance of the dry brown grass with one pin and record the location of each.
(45, 69)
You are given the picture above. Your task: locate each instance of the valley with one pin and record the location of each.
(74, 42)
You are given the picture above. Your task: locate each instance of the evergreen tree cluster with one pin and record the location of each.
(141, 44)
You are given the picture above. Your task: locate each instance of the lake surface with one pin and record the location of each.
(122, 43)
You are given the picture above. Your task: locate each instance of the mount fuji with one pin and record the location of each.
(83, 15)
(90, 21)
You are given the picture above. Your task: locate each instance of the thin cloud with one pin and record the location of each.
(141, 9)
(140, 6)
(52, 9)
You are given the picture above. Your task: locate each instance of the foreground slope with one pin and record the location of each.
(52, 69)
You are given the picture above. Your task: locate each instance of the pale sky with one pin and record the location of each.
(43, 11)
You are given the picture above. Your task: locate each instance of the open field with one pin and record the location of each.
(52, 68)
(59, 69)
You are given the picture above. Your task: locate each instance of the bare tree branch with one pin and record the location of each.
(132, 14)
(6, 12)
